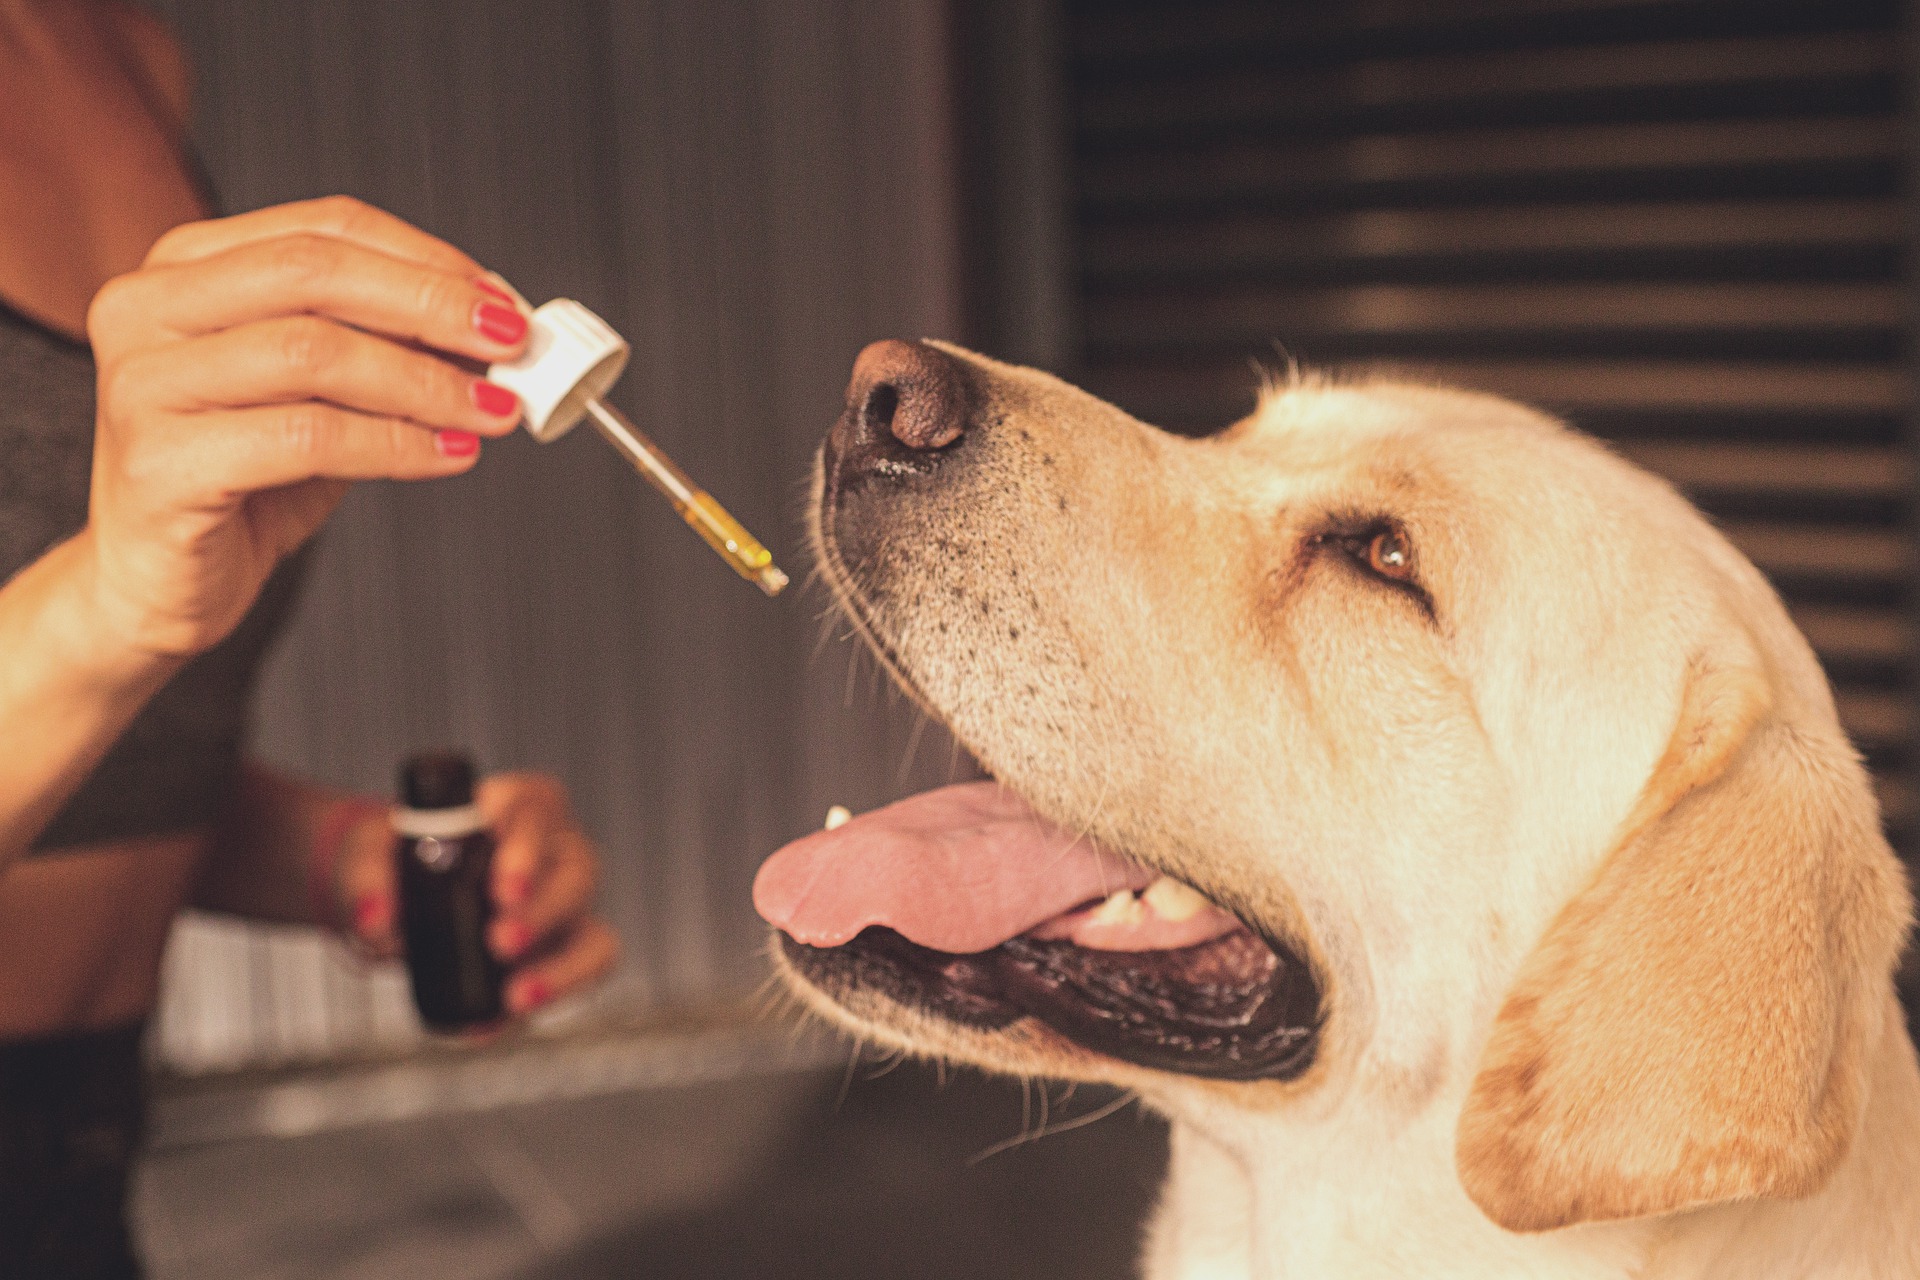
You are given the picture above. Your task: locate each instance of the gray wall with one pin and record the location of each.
(749, 192)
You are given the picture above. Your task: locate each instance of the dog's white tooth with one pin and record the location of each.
(838, 816)
(1120, 907)
(1172, 900)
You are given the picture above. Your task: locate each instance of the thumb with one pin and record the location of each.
(368, 887)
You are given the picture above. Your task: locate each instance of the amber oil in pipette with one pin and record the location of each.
(698, 508)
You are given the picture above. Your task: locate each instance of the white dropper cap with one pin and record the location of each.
(572, 357)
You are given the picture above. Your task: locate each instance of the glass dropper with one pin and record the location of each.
(572, 360)
(696, 506)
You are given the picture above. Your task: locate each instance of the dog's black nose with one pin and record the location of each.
(904, 393)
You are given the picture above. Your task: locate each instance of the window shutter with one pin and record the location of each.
(1678, 224)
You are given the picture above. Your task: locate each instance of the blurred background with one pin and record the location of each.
(1681, 223)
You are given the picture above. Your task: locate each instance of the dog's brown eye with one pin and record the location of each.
(1389, 556)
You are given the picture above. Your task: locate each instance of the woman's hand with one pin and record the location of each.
(248, 371)
(545, 872)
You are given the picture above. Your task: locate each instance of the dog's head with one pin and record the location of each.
(1507, 784)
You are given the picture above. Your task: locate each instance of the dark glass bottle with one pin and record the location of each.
(445, 854)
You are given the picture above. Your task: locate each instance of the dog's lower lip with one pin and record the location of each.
(1237, 1008)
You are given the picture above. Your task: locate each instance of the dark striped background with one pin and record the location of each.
(1681, 225)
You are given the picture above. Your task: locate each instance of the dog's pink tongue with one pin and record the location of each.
(961, 868)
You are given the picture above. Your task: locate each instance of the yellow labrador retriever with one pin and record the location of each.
(1426, 810)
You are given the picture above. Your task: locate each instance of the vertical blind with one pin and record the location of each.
(1678, 223)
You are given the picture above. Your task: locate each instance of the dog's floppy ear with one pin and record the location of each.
(1692, 1026)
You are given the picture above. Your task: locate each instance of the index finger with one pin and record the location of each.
(341, 217)
(308, 273)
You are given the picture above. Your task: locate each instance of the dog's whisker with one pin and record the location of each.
(886, 1064)
(826, 636)
(771, 998)
(1065, 1126)
(914, 735)
(1084, 830)
(846, 1079)
(853, 671)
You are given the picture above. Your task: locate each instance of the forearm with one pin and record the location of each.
(68, 689)
(276, 845)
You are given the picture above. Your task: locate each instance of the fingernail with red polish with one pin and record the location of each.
(514, 938)
(504, 325)
(532, 993)
(491, 397)
(491, 289)
(369, 913)
(456, 444)
(515, 888)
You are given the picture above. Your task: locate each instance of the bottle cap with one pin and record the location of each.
(437, 780)
(572, 356)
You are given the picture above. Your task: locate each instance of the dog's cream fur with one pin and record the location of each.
(1592, 879)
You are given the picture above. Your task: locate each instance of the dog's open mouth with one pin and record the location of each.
(965, 903)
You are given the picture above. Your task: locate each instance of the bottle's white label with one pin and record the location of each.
(441, 824)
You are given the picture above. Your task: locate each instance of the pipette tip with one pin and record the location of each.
(771, 580)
